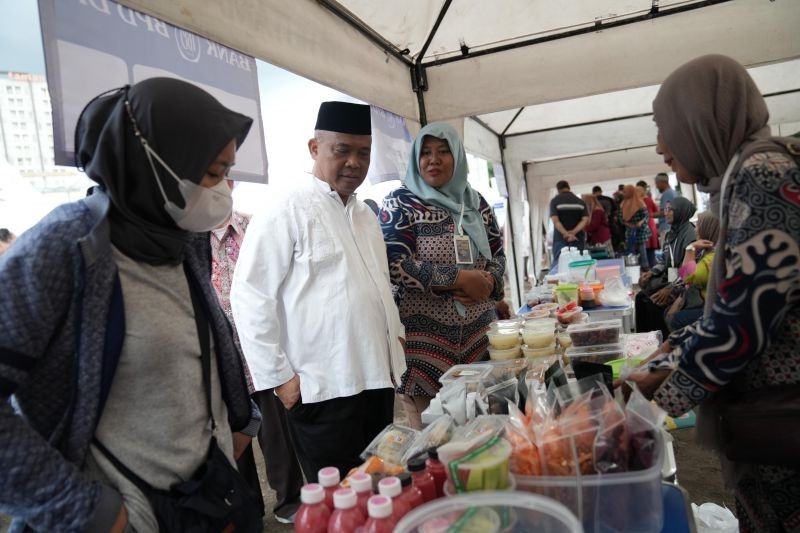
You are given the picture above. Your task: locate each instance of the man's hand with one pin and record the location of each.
(121, 522)
(289, 392)
(240, 444)
(661, 297)
(644, 278)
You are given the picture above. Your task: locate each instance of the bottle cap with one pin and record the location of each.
(312, 493)
(361, 482)
(433, 453)
(379, 507)
(417, 464)
(405, 479)
(344, 499)
(390, 487)
(329, 476)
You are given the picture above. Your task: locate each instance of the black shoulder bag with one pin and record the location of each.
(216, 497)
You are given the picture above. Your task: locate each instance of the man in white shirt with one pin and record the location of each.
(313, 303)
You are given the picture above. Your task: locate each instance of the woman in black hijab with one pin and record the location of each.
(119, 389)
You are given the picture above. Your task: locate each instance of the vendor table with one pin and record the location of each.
(603, 313)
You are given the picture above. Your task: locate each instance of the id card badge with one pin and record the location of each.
(463, 249)
(672, 274)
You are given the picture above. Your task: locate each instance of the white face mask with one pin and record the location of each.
(206, 208)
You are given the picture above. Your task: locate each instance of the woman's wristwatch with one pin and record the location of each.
(690, 248)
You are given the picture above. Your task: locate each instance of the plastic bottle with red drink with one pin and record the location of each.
(436, 469)
(381, 519)
(391, 488)
(346, 518)
(313, 515)
(422, 479)
(329, 479)
(411, 494)
(362, 484)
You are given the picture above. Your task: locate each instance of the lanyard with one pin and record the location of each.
(461, 219)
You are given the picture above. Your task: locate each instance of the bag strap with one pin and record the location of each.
(141, 484)
(201, 320)
(112, 347)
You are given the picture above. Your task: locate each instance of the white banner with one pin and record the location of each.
(391, 146)
(92, 46)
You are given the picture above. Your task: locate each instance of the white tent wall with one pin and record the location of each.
(752, 31)
(300, 36)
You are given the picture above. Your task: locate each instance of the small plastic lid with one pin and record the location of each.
(344, 499)
(329, 476)
(361, 482)
(390, 487)
(433, 453)
(312, 493)
(405, 479)
(379, 507)
(417, 464)
(599, 350)
(474, 372)
(582, 263)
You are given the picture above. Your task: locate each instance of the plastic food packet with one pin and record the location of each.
(555, 374)
(603, 374)
(454, 400)
(495, 399)
(644, 420)
(483, 468)
(614, 293)
(482, 425)
(611, 443)
(641, 344)
(505, 370)
(522, 388)
(391, 444)
(436, 434)
(525, 458)
(375, 466)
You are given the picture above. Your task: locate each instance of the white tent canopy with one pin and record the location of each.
(555, 90)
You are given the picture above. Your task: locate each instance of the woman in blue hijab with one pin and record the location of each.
(446, 261)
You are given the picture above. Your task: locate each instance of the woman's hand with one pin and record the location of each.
(702, 244)
(473, 284)
(661, 297)
(647, 382)
(503, 310)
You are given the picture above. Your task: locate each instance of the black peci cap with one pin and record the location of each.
(344, 117)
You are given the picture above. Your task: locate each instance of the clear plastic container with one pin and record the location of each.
(516, 511)
(601, 354)
(566, 293)
(564, 340)
(510, 323)
(449, 490)
(533, 353)
(569, 317)
(603, 332)
(605, 272)
(505, 370)
(539, 337)
(539, 313)
(503, 339)
(539, 323)
(583, 270)
(469, 373)
(506, 354)
(626, 501)
(551, 307)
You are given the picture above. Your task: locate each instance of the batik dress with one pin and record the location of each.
(750, 340)
(636, 236)
(419, 243)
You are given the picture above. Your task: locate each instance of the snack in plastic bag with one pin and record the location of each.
(375, 466)
(525, 458)
(615, 293)
(644, 420)
(641, 344)
(483, 468)
(454, 400)
(436, 434)
(611, 443)
(495, 399)
(391, 444)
